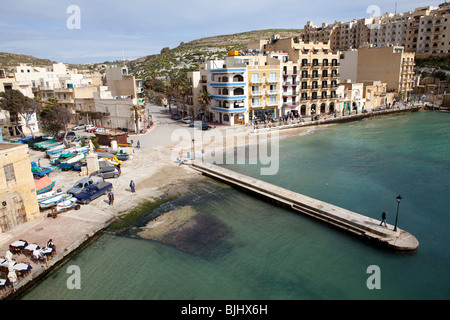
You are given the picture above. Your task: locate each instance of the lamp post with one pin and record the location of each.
(399, 198)
(193, 149)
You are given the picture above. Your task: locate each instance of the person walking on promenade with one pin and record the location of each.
(132, 186)
(111, 197)
(383, 218)
(138, 144)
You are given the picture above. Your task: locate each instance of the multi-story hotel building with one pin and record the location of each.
(310, 76)
(425, 30)
(281, 77)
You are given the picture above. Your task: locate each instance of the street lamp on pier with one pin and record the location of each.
(399, 198)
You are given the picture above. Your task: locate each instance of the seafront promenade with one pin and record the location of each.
(156, 175)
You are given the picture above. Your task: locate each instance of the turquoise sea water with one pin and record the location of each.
(246, 248)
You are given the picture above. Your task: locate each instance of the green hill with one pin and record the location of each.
(9, 60)
(187, 56)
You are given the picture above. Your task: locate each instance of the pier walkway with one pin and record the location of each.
(360, 225)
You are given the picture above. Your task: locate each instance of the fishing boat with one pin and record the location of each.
(66, 204)
(38, 145)
(51, 145)
(55, 150)
(39, 171)
(70, 162)
(43, 184)
(79, 165)
(48, 194)
(53, 201)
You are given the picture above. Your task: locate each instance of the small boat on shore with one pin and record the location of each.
(70, 162)
(79, 165)
(39, 145)
(43, 184)
(53, 201)
(66, 204)
(40, 171)
(55, 150)
(47, 195)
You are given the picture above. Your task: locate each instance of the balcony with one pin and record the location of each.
(272, 80)
(273, 92)
(258, 93)
(257, 81)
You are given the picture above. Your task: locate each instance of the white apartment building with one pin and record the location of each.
(424, 31)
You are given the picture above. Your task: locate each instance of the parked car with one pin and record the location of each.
(92, 129)
(83, 183)
(99, 129)
(93, 191)
(205, 126)
(80, 126)
(176, 116)
(88, 127)
(109, 172)
(187, 120)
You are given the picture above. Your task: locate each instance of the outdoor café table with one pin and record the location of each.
(22, 268)
(47, 252)
(3, 283)
(17, 246)
(28, 250)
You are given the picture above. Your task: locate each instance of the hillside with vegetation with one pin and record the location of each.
(9, 60)
(187, 56)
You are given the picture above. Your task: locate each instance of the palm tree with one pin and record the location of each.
(136, 109)
(183, 90)
(169, 92)
(204, 99)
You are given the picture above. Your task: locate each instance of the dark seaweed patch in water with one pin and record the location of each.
(205, 237)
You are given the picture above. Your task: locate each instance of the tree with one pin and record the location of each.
(183, 90)
(204, 99)
(54, 117)
(136, 115)
(169, 92)
(14, 101)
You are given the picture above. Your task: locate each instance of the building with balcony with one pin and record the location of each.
(310, 76)
(424, 30)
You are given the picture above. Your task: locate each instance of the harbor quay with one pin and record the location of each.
(366, 228)
(72, 230)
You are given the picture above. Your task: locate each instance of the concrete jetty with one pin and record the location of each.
(367, 228)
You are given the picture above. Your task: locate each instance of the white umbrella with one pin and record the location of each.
(11, 274)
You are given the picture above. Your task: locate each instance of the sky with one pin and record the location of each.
(72, 31)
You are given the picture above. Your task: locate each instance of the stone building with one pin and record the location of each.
(18, 199)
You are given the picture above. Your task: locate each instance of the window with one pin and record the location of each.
(9, 172)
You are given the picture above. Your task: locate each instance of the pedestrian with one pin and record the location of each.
(50, 243)
(383, 218)
(138, 144)
(111, 197)
(132, 186)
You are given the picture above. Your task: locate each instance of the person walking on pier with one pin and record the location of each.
(132, 186)
(383, 218)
